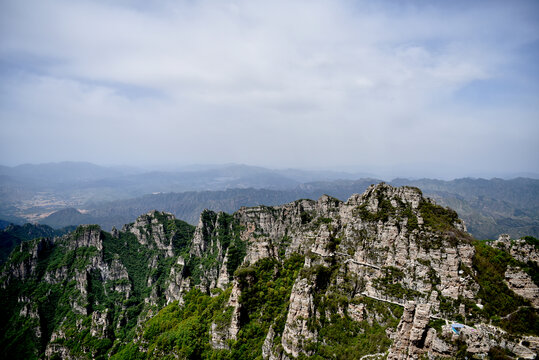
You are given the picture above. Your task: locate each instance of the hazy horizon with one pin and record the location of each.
(379, 173)
(413, 89)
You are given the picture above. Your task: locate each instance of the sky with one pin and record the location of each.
(426, 88)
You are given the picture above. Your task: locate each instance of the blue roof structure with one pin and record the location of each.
(456, 327)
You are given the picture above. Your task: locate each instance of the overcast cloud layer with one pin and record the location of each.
(433, 88)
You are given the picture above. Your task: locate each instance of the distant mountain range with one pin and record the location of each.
(500, 206)
(31, 190)
(53, 194)
(13, 235)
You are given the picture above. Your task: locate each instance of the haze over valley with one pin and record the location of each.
(64, 194)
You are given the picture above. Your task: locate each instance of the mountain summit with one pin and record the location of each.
(387, 273)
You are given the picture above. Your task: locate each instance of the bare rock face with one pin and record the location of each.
(414, 339)
(421, 319)
(177, 284)
(383, 246)
(58, 351)
(375, 231)
(223, 279)
(411, 333)
(356, 312)
(483, 337)
(218, 337)
(267, 352)
(26, 267)
(478, 342)
(259, 248)
(234, 302)
(522, 284)
(87, 236)
(532, 342)
(211, 240)
(100, 327)
(119, 276)
(115, 233)
(80, 303)
(150, 231)
(199, 244)
(378, 238)
(296, 332)
(520, 249)
(521, 352)
(57, 276)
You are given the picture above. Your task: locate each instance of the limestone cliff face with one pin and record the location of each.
(379, 236)
(205, 265)
(377, 243)
(296, 332)
(523, 285)
(519, 249)
(383, 253)
(388, 244)
(27, 255)
(150, 231)
(97, 278)
(411, 339)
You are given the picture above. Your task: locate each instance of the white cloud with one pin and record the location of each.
(286, 83)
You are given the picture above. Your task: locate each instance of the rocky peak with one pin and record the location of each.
(22, 263)
(411, 333)
(86, 236)
(207, 224)
(151, 229)
(296, 273)
(375, 193)
(524, 250)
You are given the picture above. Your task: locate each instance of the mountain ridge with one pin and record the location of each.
(514, 213)
(302, 280)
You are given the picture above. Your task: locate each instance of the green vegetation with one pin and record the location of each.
(236, 253)
(412, 222)
(184, 329)
(347, 339)
(501, 305)
(266, 285)
(134, 256)
(13, 235)
(497, 353)
(462, 351)
(533, 270)
(21, 253)
(523, 321)
(437, 217)
(224, 229)
(181, 234)
(78, 258)
(306, 217)
(532, 241)
(322, 220)
(19, 341)
(385, 209)
(53, 300)
(490, 264)
(65, 284)
(391, 285)
(340, 336)
(436, 324)
(283, 245)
